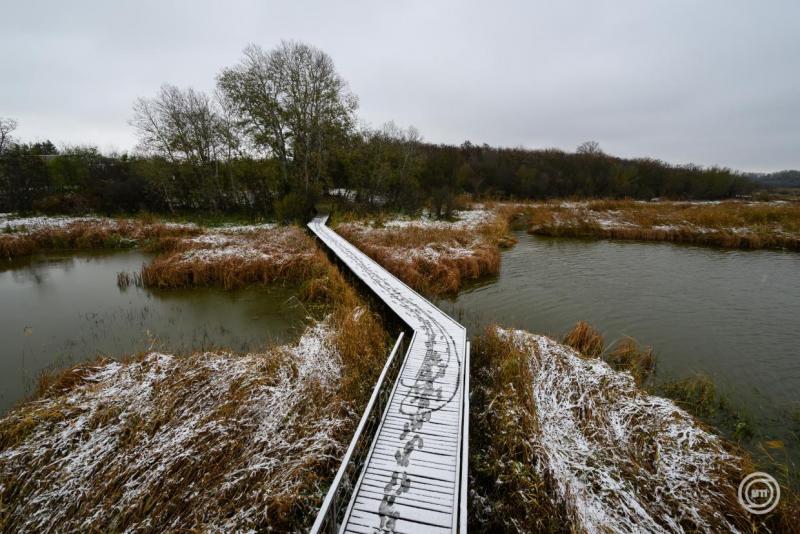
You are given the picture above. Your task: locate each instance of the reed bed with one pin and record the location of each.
(21, 237)
(589, 451)
(126, 279)
(433, 257)
(729, 224)
(233, 258)
(206, 442)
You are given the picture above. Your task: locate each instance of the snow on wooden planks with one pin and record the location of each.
(411, 481)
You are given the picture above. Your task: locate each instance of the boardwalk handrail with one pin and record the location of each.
(327, 520)
(463, 518)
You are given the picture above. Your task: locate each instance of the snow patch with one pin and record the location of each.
(621, 460)
(247, 428)
(464, 220)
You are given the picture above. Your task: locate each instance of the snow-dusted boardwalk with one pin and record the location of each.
(414, 478)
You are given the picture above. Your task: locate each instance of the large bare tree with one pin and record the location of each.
(179, 125)
(6, 127)
(292, 104)
(188, 127)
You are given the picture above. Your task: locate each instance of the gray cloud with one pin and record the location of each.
(712, 82)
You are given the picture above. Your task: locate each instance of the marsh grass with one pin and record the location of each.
(698, 394)
(700, 397)
(586, 339)
(629, 356)
(435, 260)
(126, 279)
(730, 224)
(99, 234)
(509, 492)
(580, 471)
(233, 260)
(203, 442)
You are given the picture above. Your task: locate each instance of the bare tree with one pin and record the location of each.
(590, 148)
(292, 104)
(186, 127)
(6, 127)
(179, 125)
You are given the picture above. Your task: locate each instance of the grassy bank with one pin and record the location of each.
(25, 236)
(209, 441)
(435, 257)
(233, 257)
(566, 443)
(730, 224)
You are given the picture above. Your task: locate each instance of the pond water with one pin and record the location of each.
(734, 315)
(60, 309)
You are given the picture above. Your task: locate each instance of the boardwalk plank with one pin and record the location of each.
(423, 479)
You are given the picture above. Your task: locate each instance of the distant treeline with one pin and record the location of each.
(778, 180)
(281, 131)
(374, 173)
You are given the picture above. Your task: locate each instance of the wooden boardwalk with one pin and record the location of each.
(414, 479)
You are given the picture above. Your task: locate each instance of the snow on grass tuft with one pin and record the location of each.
(621, 460)
(730, 224)
(10, 223)
(257, 242)
(214, 441)
(462, 220)
(433, 256)
(233, 257)
(23, 236)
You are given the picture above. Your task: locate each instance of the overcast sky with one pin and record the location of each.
(708, 82)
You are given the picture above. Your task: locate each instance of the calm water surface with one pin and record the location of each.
(734, 315)
(59, 309)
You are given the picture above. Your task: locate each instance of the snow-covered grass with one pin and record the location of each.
(732, 224)
(233, 257)
(26, 235)
(461, 220)
(597, 453)
(9, 223)
(433, 256)
(215, 442)
(234, 439)
(621, 458)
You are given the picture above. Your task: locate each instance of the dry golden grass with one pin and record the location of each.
(206, 442)
(627, 355)
(586, 339)
(234, 260)
(508, 492)
(515, 474)
(699, 396)
(435, 260)
(102, 233)
(730, 224)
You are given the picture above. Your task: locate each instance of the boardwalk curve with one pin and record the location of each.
(414, 478)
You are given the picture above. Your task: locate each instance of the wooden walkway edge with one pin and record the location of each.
(414, 478)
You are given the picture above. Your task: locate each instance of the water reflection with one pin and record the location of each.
(56, 310)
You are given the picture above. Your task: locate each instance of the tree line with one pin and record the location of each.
(280, 132)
